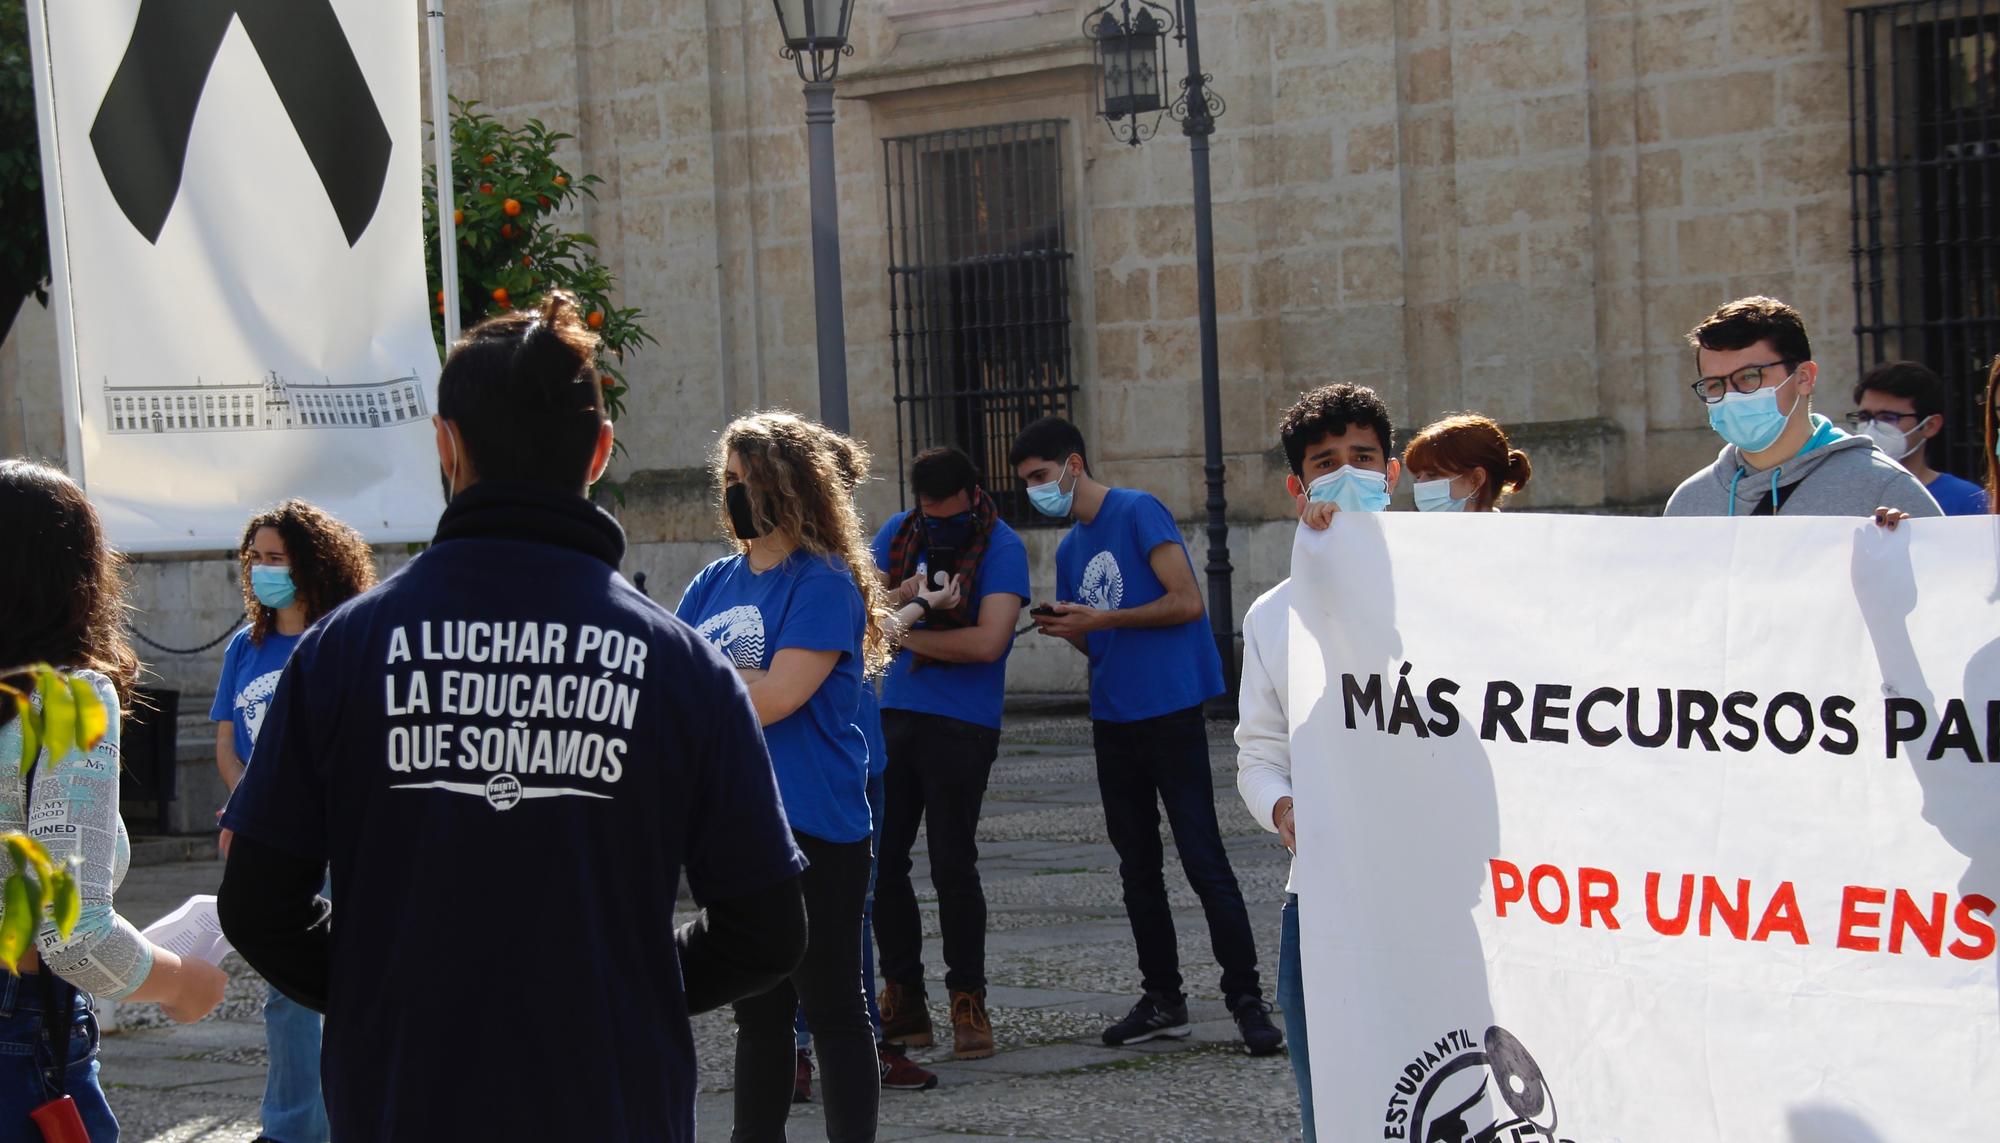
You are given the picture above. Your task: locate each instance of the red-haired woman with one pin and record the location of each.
(1464, 463)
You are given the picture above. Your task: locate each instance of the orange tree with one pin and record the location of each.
(508, 190)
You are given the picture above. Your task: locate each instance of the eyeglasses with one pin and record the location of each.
(1862, 417)
(1748, 379)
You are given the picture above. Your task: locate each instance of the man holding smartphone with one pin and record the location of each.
(941, 707)
(1130, 602)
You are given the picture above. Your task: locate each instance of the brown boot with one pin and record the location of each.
(971, 1030)
(906, 1018)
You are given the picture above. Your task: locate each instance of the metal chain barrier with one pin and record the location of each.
(166, 650)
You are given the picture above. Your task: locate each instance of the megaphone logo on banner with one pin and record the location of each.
(1464, 1091)
(143, 126)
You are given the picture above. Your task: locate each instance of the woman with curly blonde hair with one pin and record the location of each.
(798, 611)
(295, 564)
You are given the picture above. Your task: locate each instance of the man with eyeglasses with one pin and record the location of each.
(1900, 406)
(1756, 376)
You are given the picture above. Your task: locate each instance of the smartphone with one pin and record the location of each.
(1043, 610)
(940, 563)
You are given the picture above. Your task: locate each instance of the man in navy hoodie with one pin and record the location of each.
(509, 757)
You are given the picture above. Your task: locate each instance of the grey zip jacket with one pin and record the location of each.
(1837, 474)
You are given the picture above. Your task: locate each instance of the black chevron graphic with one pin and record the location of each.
(142, 128)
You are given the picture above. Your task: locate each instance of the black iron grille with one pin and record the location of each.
(1924, 106)
(979, 267)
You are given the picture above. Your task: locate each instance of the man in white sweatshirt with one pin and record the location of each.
(1337, 439)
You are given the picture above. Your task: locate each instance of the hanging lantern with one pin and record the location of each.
(1129, 45)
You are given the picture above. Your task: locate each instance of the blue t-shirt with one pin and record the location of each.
(969, 692)
(509, 757)
(1957, 495)
(808, 602)
(249, 679)
(1135, 672)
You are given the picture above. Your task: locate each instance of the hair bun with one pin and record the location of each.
(1518, 469)
(557, 350)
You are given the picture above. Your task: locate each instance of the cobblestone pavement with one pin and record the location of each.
(1059, 957)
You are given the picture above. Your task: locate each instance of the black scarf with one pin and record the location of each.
(538, 513)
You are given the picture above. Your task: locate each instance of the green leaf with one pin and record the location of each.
(17, 923)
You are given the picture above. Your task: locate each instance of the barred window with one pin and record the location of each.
(1924, 105)
(979, 269)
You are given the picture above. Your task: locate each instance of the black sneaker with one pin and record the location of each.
(1153, 1018)
(1253, 1020)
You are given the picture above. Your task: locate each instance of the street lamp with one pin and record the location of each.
(1130, 48)
(1128, 39)
(815, 38)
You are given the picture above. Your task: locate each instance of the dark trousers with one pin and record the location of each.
(828, 985)
(1140, 767)
(937, 775)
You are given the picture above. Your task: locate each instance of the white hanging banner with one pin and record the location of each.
(236, 221)
(1619, 829)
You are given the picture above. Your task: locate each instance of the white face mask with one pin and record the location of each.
(1435, 496)
(1893, 440)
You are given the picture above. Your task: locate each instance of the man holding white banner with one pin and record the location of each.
(235, 218)
(1710, 857)
(1334, 438)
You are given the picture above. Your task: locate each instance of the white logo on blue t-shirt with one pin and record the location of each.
(738, 633)
(1103, 585)
(253, 700)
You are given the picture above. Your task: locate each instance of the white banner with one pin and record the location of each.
(1649, 830)
(236, 222)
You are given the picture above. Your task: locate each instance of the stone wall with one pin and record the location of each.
(1514, 206)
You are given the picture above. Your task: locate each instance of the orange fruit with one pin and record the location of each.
(488, 160)
(458, 218)
(440, 297)
(562, 180)
(527, 260)
(595, 320)
(485, 188)
(506, 230)
(543, 199)
(511, 207)
(500, 295)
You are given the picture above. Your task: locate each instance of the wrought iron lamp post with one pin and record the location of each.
(1128, 39)
(815, 38)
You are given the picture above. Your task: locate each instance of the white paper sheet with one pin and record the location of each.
(192, 930)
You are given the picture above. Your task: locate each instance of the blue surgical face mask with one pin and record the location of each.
(273, 586)
(1751, 421)
(1354, 489)
(1050, 499)
(1435, 496)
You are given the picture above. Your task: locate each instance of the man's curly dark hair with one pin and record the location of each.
(330, 562)
(1328, 411)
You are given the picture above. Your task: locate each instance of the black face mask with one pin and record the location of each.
(953, 532)
(741, 519)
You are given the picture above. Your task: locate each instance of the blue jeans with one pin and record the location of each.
(27, 1067)
(867, 928)
(294, 1111)
(1292, 999)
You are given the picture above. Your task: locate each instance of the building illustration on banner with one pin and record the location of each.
(272, 403)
